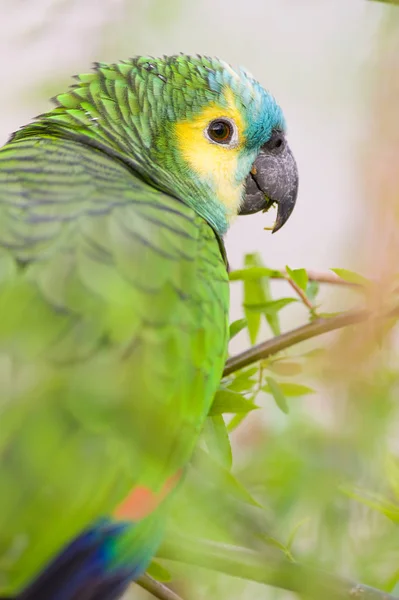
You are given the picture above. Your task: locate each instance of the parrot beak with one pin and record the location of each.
(273, 180)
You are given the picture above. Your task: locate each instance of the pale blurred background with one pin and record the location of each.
(314, 55)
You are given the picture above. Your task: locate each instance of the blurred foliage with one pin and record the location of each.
(319, 460)
(394, 2)
(299, 477)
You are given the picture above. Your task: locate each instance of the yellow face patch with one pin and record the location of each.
(216, 162)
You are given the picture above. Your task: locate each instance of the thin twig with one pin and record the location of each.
(271, 570)
(157, 589)
(300, 334)
(300, 293)
(316, 276)
(325, 277)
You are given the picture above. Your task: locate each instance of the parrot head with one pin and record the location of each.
(232, 142)
(192, 126)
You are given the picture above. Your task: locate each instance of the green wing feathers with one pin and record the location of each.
(113, 333)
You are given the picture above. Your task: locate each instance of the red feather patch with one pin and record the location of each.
(142, 500)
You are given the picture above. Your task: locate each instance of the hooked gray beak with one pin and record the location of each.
(273, 180)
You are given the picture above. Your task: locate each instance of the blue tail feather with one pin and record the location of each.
(88, 568)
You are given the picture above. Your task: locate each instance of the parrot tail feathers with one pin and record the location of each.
(92, 567)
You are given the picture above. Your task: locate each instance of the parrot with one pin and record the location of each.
(114, 301)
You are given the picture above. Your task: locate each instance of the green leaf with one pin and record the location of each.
(224, 478)
(226, 401)
(217, 440)
(316, 352)
(263, 294)
(312, 289)
(275, 390)
(251, 273)
(158, 572)
(294, 532)
(241, 384)
(375, 501)
(285, 368)
(252, 295)
(235, 421)
(300, 277)
(243, 381)
(351, 277)
(246, 373)
(274, 542)
(272, 307)
(290, 389)
(237, 326)
(393, 474)
(296, 389)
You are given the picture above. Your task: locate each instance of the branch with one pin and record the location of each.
(277, 572)
(156, 588)
(394, 2)
(304, 299)
(300, 334)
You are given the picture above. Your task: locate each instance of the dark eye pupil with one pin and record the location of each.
(220, 131)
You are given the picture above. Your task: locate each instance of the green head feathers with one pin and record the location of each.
(190, 126)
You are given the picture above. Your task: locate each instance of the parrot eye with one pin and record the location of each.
(221, 131)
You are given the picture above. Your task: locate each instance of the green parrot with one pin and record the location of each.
(114, 304)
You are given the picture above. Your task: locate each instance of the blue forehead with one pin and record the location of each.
(260, 110)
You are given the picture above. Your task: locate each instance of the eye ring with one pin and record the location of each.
(221, 131)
